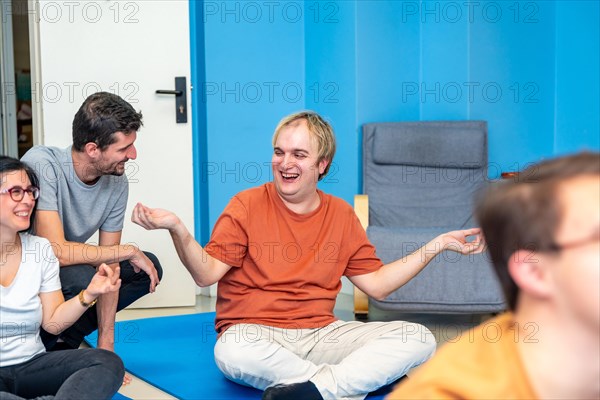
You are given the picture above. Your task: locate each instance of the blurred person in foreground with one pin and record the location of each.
(542, 230)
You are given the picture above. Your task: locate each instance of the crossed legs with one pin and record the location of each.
(344, 360)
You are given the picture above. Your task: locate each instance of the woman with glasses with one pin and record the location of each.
(31, 297)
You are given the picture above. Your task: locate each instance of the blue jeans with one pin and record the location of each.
(93, 374)
(75, 278)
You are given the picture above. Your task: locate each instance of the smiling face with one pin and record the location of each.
(295, 165)
(111, 160)
(15, 216)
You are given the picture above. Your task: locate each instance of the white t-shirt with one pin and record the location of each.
(20, 304)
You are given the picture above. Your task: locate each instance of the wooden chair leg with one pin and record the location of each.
(361, 300)
(361, 304)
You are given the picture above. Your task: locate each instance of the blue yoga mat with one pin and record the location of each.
(175, 354)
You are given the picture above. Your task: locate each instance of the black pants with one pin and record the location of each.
(74, 278)
(93, 374)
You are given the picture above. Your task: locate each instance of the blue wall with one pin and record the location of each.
(577, 89)
(530, 68)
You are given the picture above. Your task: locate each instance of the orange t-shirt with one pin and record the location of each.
(286, 267)
(483, 364)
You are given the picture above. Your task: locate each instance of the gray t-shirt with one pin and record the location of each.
(83, 209)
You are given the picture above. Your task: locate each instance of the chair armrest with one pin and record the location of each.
(361, 208)
(361, 300)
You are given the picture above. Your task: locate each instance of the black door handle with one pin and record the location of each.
(175, 92)
(180, 99)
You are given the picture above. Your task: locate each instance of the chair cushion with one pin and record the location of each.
(430, 146)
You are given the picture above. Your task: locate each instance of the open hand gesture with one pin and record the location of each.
(154, 218)
(457, 241)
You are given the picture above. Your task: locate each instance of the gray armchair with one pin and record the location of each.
(419, 179)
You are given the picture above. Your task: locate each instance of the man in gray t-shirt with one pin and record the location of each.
(83, 191)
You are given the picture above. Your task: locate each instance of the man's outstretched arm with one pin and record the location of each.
(205, 270)
(389, 277)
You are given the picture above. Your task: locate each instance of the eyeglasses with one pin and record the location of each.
(577, 243)
(17, 192)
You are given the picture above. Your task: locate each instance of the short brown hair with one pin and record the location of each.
(100, 116)
(320, 130)
(524, 213)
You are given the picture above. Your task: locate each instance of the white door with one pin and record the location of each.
(131, 48)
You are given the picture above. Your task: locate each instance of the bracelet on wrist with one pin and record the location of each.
(82, 300)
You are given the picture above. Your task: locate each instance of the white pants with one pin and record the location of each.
(345, 360)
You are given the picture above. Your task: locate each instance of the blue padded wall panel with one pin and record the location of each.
(444, 81)
(331, 86)
(254, 76)
(512, 70)
(387, 62)
(577, 77)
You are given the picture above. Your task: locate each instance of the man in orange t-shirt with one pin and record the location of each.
(543, 233)
(279, 252)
